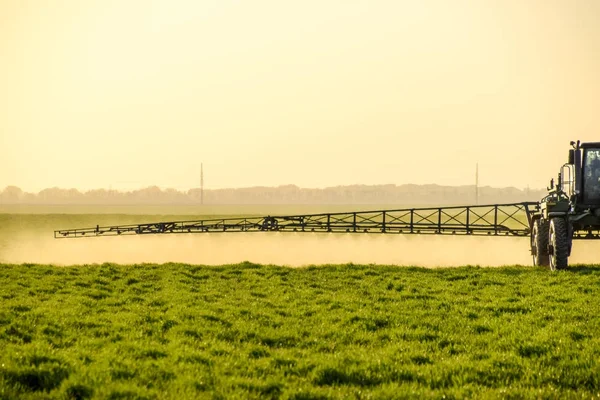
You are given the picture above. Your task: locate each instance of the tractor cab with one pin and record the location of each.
(579, 178)
(590, 174)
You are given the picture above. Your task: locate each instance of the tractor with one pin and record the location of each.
(571, 210)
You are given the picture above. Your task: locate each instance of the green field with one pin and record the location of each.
(251, 331)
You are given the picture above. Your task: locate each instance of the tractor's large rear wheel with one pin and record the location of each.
(559, 244)
(539, 243)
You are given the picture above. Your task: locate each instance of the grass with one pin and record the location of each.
(252, 331)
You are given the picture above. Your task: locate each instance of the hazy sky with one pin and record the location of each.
(315, 93)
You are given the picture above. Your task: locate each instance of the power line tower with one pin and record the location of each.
(201, 183)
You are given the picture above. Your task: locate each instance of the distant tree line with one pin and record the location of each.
(287, 194)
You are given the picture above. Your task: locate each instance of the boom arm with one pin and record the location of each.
(512, 219)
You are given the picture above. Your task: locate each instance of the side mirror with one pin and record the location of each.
(572, 156)
(551, 184)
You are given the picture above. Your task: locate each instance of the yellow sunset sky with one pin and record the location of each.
(127, 94)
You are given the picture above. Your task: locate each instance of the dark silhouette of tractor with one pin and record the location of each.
(571, 210)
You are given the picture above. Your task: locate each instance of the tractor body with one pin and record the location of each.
(571, 210)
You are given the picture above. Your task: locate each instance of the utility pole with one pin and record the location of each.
(201, 183)
(477, 183)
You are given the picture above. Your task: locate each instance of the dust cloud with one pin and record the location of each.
(291, 249)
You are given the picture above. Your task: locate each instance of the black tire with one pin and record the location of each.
(539, 243)
(559, 244)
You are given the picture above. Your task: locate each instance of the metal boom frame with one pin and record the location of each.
(512, 219)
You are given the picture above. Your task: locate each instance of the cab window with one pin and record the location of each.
(591, 176)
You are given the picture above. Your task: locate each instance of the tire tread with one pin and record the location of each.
(542, 256)
(561, 243)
